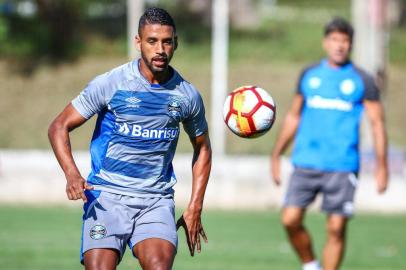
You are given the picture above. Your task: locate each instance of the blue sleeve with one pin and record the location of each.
(91, 100)
(195, 124)
(299, 89)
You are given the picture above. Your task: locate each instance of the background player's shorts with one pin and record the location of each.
(114, 221)
(338, 189)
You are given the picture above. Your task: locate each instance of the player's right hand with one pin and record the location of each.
(76, 186)
(276, 170)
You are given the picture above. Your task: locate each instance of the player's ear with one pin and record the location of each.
(324, 43)
(176, 42)
(138, 42)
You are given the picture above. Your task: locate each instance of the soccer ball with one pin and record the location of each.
(249, 111)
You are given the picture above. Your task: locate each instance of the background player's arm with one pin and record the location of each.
(375, 112)
(191, 218)
(58, 134)
(286, 135)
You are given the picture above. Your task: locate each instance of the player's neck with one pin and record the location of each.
(155, 77)
(334, 64)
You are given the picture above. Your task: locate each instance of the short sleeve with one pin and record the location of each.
(90, 101)
(371, 90)
(195, 124)
(299, 89)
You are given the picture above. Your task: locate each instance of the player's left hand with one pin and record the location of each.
(276, 170)
(381, 176)
(191, 223)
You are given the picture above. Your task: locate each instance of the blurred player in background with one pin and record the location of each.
(324, 120)
(128, 196)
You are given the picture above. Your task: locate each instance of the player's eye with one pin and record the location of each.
(168, 42)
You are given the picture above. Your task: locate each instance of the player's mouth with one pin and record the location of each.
(159, 61)
(339, 54)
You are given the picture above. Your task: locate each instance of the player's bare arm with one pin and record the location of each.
(191, 218)
(375, 112)
(286, 135)
(58, 134)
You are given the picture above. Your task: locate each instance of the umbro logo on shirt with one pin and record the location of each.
(133, 102)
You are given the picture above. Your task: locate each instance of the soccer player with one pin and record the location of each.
(324, 120)
(128, 196)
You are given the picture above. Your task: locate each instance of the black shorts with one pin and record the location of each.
(338, 189)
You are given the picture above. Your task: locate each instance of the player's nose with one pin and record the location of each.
(160, 48)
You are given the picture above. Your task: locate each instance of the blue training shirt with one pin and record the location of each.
(328, 134)
(137, 129)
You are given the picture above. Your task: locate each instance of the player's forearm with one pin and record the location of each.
(59, 138)
(201, 172)
(376, 117)
(380, 143)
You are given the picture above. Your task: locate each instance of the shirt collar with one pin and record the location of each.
(167, 84)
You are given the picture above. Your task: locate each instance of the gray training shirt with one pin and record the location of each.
(137, 129)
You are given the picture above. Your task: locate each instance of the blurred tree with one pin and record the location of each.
(403, 12)
(34, 32)
(396, 12)
(62, 19)
(244, 14)
(3, 30)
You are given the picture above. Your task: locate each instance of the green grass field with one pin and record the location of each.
(49, 238)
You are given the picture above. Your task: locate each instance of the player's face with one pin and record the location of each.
(338, 47)
(157, 44)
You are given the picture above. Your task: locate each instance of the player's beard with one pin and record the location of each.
(340, 60)
(154, 69)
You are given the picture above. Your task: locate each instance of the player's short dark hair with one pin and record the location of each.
(341, 25)
(154, 15)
